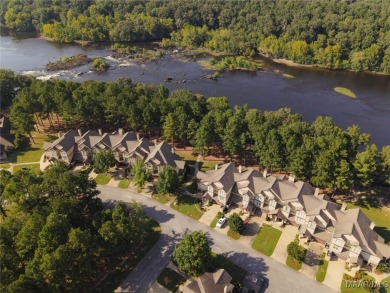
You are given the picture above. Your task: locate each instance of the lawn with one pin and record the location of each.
(33, 167)
(103, 179)
(170, 279)
(237, 273)
(344, 91)
(356, 288)
(163, 198)
(187, 156)
(386, 286)
(380, 216)
(189, 206)
(266, 240)
(124, 183)
(116, 278)
(5, 166)
(293, 263)
(213, 224)
(322, 268)
(29, 151)
(209, 165)
(233, 234)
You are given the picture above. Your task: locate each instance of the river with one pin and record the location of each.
(310, 92)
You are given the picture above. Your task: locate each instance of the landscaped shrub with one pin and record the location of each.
(236, 223)
(296, 251)
(381, 268)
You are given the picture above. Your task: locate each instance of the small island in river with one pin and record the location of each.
(69, 62)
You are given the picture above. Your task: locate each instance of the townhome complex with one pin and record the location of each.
(127, 147)
(349, 234)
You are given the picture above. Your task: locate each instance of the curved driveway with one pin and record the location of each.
(174, 225)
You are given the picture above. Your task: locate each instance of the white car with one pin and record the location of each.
(221, 221)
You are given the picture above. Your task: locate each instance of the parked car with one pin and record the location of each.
(221, 221)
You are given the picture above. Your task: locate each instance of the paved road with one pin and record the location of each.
(174, 225)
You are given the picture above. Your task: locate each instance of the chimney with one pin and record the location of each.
(265, 173)
(343, 207)
(317, 191)
(216, 166)
(59, 134)
(155, 142)
(240, 169)
(79, 131)
(372, 225)
(120, 131)
(137, 134)
(100, 131)
(173, 150)
(291, 178)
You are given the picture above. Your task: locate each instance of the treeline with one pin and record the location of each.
(56, 235)
(335, 34)
(321, 151)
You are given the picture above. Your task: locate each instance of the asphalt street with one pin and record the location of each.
(280, 278)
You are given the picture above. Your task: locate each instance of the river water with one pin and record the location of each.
(310, 92)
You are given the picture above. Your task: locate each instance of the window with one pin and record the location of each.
(221, 192)
(272, 203)
(258, 201)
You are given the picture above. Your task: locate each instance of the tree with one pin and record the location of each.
(99, 64)
(367, 165)
(296, 251)
(192, 256)
(168, 180)
(103, 160)
(236, 223)
(140, 174)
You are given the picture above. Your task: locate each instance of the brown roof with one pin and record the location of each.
(210, 283)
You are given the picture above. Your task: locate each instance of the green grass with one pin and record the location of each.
(356, 289)
(286, 75)
(213, 224)
(29, 151)
(103, 179)
(124, 183)
(266, 240)
(293, 263)
(380, 216)
(209, 165)
(237, 273)
(233, 234)
(189, 206)
(187, 156)
(33, 167)
(163, 198)
(170, 279)
(5, 166)
(385, 282)
(344, 91)
(116, 278)
(321, 273)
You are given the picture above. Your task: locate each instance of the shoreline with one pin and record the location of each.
(199, 51)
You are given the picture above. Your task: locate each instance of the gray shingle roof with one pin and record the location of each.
(355, 222)
(162, 154)
(65, 142)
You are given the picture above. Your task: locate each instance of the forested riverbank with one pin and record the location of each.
(331, 34)
(321, 151)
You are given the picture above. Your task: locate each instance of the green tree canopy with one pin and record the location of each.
(168, 181)
(103, 160)
(193, 254)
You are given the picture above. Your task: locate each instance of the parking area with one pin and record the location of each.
(312, 260)
(210, 214)
(335, 272)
